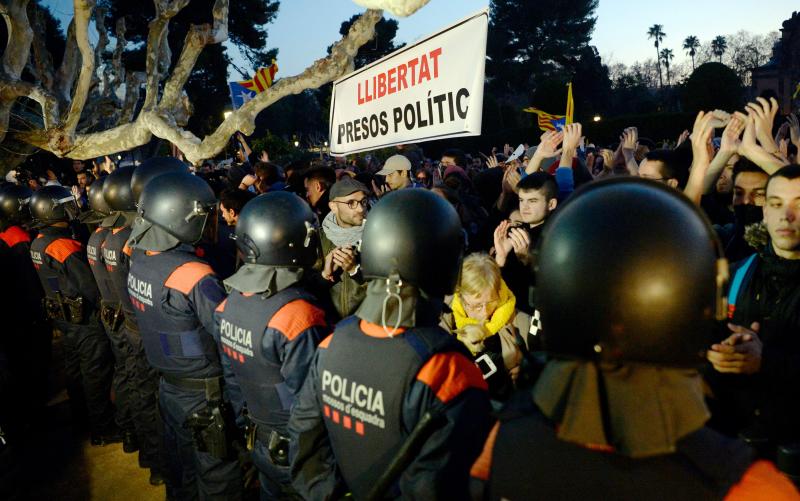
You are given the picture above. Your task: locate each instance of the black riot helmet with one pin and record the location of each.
(117, 190)
(154, 167)
(53, 204)
(630, 271)
(14, 201)
(417, 236)
(277, 229)
(97, 199)
(178, 203)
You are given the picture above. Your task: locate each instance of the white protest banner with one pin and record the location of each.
(432, 89)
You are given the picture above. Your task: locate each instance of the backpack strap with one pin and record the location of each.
(742, 276)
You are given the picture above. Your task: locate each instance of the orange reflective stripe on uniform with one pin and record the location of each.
(449, 374)
(186, 276)
(483, 465)
(325, 342)
(221, 306)
(127, 250)
(15, 235)
(62, 248)
(375, 330)
(296, 317)
(763, 482)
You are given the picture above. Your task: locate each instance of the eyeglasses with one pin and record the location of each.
(354, 204)
(479, 306)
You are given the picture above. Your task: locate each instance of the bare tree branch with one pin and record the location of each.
(116, 63)
(83, 12)
(133, 86)
(157, 36)
(163, 124)
(65, 76)
(194, 43)
(321, 72)
(42, 60)
(20, 36)
(102, 43)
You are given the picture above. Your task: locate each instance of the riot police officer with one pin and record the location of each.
(111, 314)
(389, 372)
(28, 337)
(174, 294)
(121, 191)
(618, 411)
(72, 302)
(270, 324)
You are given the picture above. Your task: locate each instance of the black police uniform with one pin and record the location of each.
(174, 295)
(556, 469)
(29, 337)
(271, 342)
(72, 302)
(143, 378)
(363, 397)
(110, 318)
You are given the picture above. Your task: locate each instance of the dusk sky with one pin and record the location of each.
(303, 29)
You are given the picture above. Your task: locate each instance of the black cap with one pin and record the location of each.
(346, 186)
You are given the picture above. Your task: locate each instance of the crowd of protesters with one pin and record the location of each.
(740, 167)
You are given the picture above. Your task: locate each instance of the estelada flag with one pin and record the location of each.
(548, 121)
(245, 90)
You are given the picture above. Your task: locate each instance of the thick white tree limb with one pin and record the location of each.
(83, 13)
(400, 8)
(156, 38)
(65, 76)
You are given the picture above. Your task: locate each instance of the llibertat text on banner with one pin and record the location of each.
(430, 90)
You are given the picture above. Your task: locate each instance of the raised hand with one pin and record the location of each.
(794, 129)
(511, 178)
(379, 191)
(507, 150)
(629, 140)
(264, 157)
(730, 136)
(502, 245)
(520, 241)
(492, 162)
(572, 136)
(763, 113)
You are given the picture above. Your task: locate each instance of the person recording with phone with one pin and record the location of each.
(342, 229)
(538, 198)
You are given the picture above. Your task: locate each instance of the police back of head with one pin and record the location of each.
(117, 190)
(152, 168)
(53, 204)
(178, 203)
(97, 199)
(14, 201)
(629, 271)
(416, 236)
(277, 229)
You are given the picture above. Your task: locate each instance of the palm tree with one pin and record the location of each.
(657, 32)
(691, 44)
(718, 46)
(666, 57)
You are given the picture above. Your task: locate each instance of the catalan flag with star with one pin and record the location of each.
(548, 121)
(244, 91)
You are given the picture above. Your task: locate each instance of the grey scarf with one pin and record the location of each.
(258, 278)
(649, 409)
(341, 237)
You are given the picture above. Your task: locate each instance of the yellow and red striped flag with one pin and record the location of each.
(547, 121)
(262, 80)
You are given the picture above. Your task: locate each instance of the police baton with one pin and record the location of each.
(408, 451)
